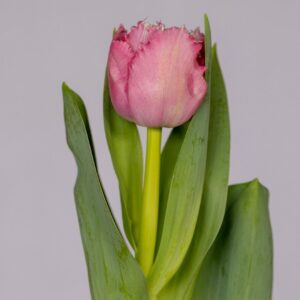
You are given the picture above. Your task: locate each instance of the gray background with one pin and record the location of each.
(43, 43)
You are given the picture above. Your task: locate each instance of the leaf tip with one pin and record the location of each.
(255, 183)
(64, 87)
(258, 186)
(206, 21)
(214, 47)
(206, 17)
(214, 53)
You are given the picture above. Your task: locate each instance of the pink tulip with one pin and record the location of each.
(156, 74)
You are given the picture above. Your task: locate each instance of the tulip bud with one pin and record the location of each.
(156, 74)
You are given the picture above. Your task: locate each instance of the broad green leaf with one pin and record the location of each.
(113, 272)
(214, 197)
(168, 159)
(239, 265)
(185, 192)
(126, 152)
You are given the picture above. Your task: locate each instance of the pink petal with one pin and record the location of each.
(166, 83)
(120, 55)
(120, 34)
(139, 35)
(197, 34)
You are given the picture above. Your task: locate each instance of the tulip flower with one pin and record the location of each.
(156, 74)
(156, 79)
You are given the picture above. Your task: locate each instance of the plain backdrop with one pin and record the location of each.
(43, 43)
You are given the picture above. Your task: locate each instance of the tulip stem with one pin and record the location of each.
(149, 217)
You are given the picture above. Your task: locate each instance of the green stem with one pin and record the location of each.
(146, 248)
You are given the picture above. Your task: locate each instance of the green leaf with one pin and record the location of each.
(239, 265)
(126, 152)
(185, 192)
(113, 272)
(168, 160)
(214, 197)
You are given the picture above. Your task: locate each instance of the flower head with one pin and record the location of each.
(156, 74)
